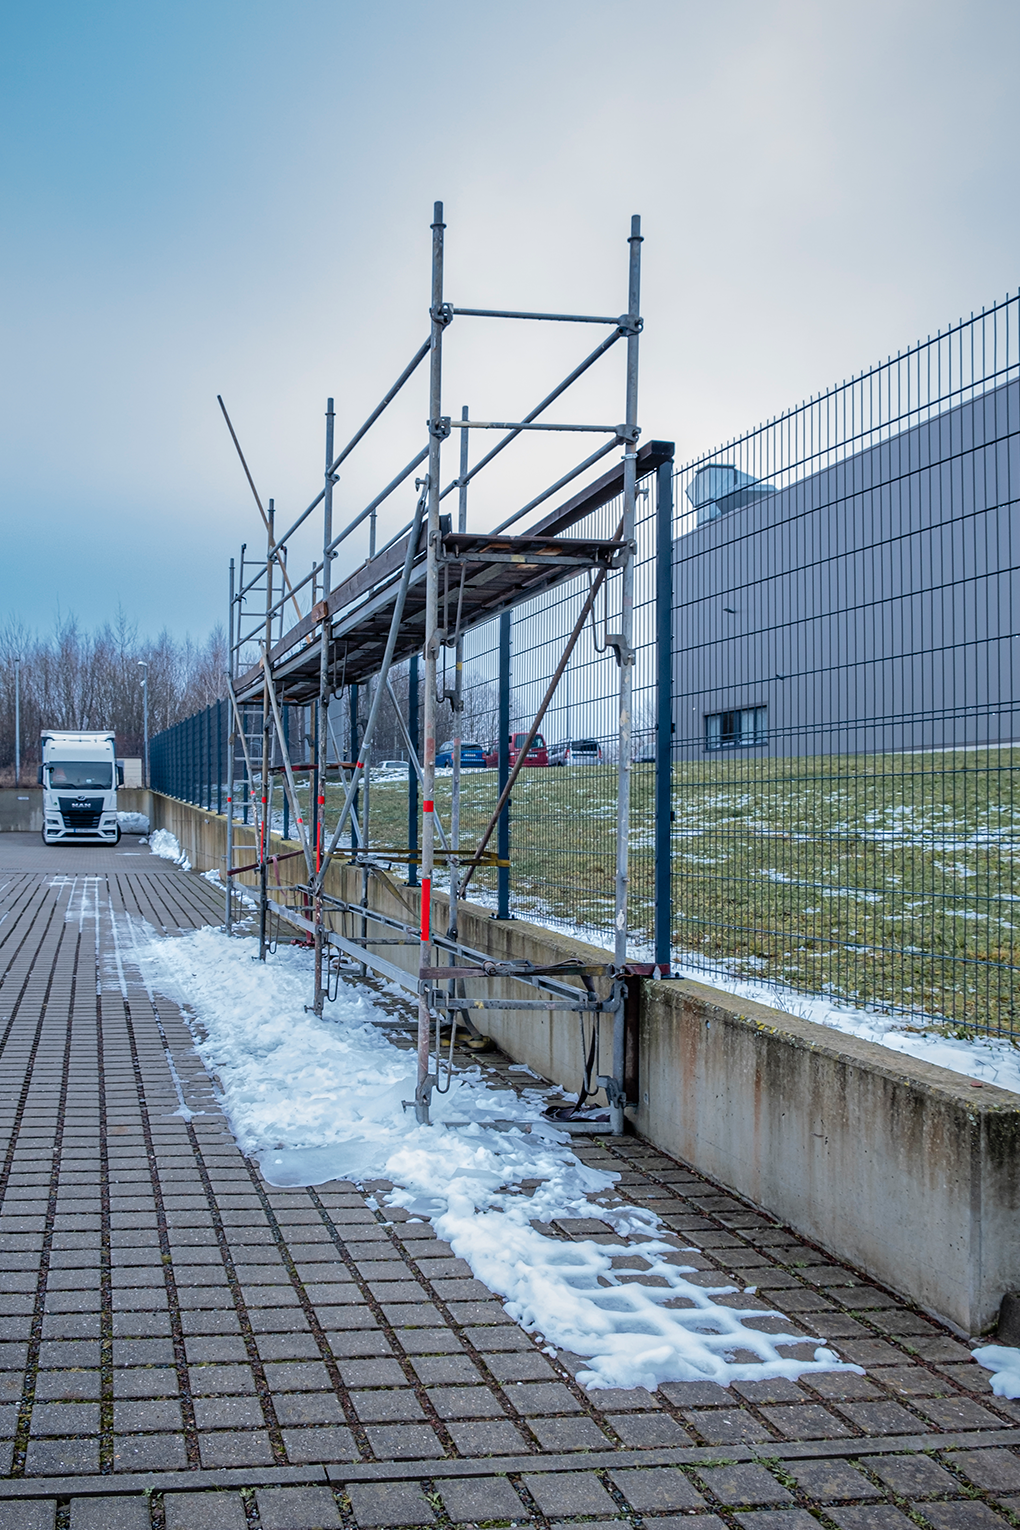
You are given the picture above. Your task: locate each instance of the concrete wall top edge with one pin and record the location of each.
(977, 1099)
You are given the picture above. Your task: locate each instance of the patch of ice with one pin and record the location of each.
(1004, 1363)
(165, 845)
(321, 1098)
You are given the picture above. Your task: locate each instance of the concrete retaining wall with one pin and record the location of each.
(908, 1171)
(21, 809)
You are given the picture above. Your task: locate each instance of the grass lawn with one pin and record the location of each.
(889, 880)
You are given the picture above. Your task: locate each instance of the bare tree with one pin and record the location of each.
(75, 679)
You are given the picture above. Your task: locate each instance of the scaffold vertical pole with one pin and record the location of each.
(457, 705)
(266, 740)
(231, 746)
(439, 318)
(664, 719)
(412, 774)
(322, 729)
(503, 768)
(626, 657)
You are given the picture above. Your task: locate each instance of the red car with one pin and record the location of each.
(538, 754)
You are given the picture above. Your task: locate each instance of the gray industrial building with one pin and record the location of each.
(870, 605)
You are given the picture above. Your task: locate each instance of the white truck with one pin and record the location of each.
(79, 776)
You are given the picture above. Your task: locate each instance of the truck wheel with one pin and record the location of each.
(117, 840)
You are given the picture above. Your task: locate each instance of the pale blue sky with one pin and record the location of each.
(235, 198)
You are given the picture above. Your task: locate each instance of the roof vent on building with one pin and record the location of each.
(719, 487)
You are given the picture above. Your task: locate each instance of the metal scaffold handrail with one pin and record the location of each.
(398, 606)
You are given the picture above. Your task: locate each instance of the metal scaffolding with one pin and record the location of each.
(420, 593)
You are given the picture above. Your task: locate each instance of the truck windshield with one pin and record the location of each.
(94, 774)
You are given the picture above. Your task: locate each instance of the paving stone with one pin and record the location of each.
(831, 1479)
(777, 1519)
(149, 1452)
(744, 1485)
(966, 1515)
(952, 1413)
(404, 1442)
(384, 1406)
(465, 1402)
(568, 1434)
(298, 1376)
(775, 1389)
(726, 1426)
(369, 1341)
(697, 1394)
(315, 1445)
(843, 1386)
(67, 1386)
(228, 1413)
(308, 1408)
(297, 1508)
(109, 1514)
(209, 1379)
(29, 1514)
(643, 1430)
(61, 1458)
(145, 1381)
(883, 1418)
(520, 1365)
(287, 1346)
(143, 1352)
(372, 1373)
(538, 1398)
(204, 1511)
(382, 1504)
(65, 1418)
(433, 1370)
(497, 1339)
(131, 1417)
(467, 1313)
(493, 1438)
(657, 1487)
(244, 1448)
(569, 1493)
(480, 1498)
(914, 1476)
(805, 1423)
(421, 1314)
(869, 1516)
(998, 1470)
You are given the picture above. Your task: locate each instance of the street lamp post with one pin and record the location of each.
(145, 720)
(17, 722)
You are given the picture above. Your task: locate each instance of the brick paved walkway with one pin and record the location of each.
(183, 1347)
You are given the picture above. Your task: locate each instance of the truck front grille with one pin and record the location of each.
(81, 814)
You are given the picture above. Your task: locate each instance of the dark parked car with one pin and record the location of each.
(538, 754)
(472, 756)
(576, 751)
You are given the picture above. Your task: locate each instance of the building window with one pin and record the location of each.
(738, 729)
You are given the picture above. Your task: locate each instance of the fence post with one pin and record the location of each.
(286, 750)
(413, 728)
(664, 719)
(352, 693)
(219, 756)
(503, 762)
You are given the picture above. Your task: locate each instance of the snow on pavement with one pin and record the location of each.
(166, 845)
(321, 1099)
